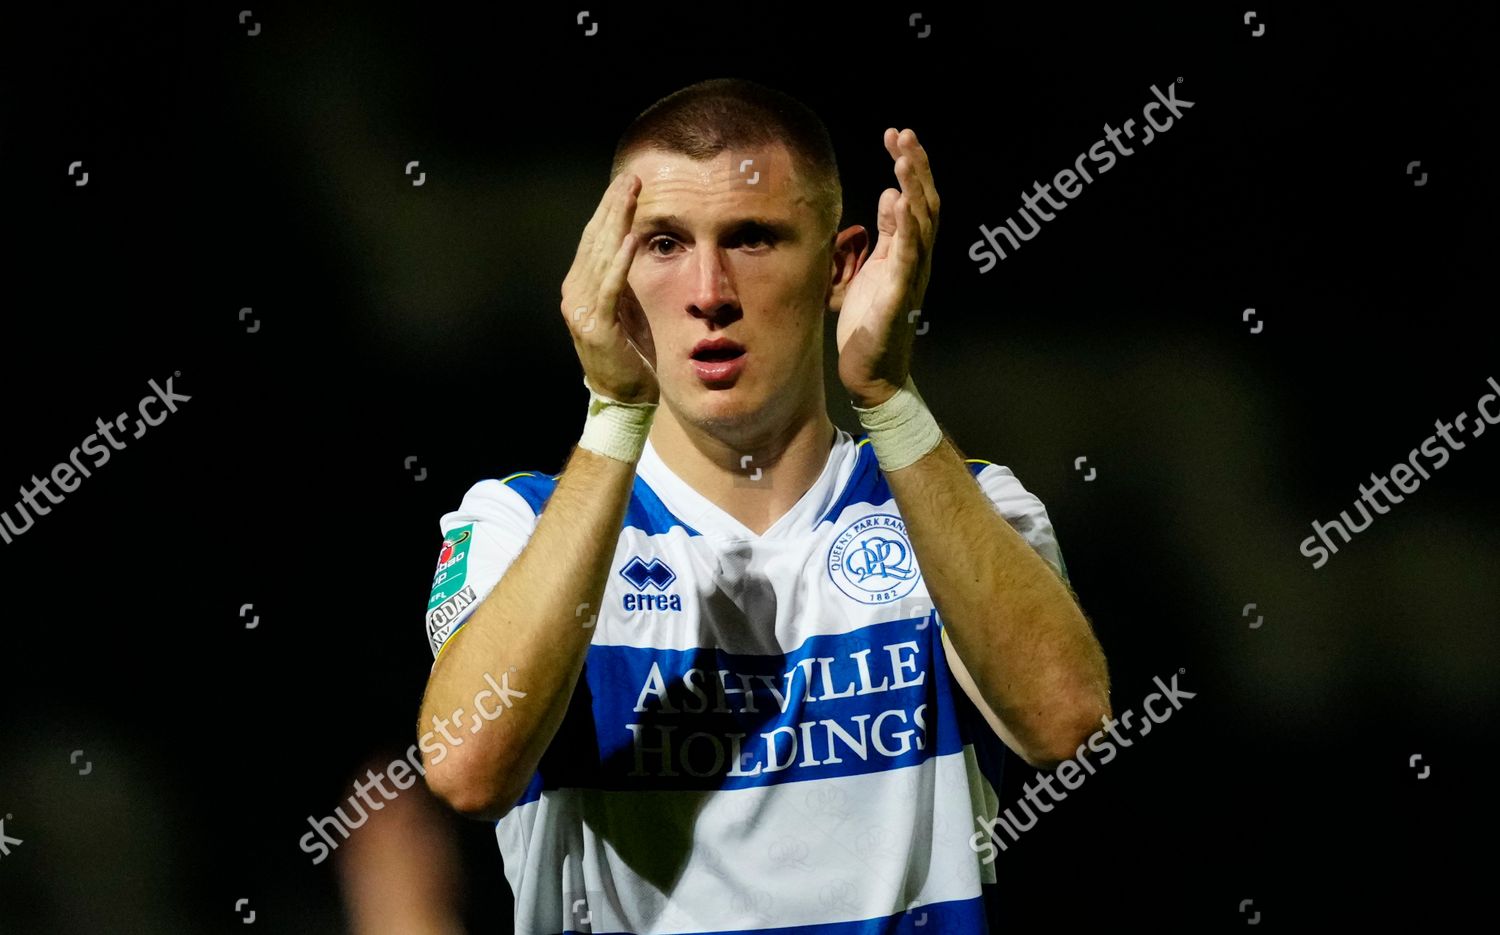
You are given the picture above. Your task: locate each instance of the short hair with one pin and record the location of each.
(704, 119)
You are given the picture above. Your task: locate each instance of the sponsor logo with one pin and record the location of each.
(440, 622)
(656, 573)
(452, 567)
(450, 609)
(446, 558)
(872, 560)
(643, 576)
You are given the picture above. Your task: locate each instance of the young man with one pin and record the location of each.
(717, 694)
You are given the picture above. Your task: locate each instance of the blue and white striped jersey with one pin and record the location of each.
(766, 736)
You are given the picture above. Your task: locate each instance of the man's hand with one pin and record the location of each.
(609, 328)
(875, 326)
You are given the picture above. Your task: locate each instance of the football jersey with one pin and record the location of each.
(765, 736)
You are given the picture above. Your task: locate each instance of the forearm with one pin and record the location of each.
(1012, 619)
(532, 630)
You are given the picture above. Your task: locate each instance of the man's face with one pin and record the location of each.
(725, 254)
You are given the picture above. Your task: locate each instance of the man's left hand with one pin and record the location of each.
(878, 319)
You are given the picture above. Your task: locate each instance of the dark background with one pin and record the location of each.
(266, 171)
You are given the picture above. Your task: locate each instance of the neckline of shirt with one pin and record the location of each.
(709, 518)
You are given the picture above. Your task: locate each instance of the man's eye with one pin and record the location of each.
(750, 238)
(755, 237)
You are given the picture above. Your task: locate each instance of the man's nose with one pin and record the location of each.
(713, 293)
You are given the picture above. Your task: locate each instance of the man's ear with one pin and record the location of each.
(851, 246)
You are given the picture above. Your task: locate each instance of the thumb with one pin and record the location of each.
(636, 329)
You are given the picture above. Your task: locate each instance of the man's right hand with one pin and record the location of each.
(609, 328)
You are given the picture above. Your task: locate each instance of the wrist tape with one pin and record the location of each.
(615, 429)
(902, 429)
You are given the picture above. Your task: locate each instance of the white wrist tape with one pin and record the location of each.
(902, 429)
(615, 429)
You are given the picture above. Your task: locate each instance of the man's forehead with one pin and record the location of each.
(763, 177)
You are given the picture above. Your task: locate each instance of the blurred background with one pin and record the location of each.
(221, 630)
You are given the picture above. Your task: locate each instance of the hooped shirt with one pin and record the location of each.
(765, 736)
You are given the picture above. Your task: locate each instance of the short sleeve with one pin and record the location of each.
(1022, 509)
(480, 540)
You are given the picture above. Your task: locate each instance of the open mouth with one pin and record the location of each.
(718, 353)
(718, 362)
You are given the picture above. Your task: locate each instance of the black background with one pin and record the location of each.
(231, 171)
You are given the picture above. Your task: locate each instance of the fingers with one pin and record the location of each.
(617, 219)
(608, 327)
(637, 331)
(885, 223)
(915, 174)
(616, 196)
(905, 246)
(622, 213)
(613, 281)
(602, 238)
(916, 194)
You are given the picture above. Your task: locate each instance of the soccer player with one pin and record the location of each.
(742, 670)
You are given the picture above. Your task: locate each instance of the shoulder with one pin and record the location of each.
(518, 496)
(1005, 488)
(997, 480)
(481, 539)
(1022, 508)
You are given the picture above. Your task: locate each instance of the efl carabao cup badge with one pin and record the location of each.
(872, 560)
(452, 566)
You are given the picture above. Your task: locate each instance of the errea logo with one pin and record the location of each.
(648, 576)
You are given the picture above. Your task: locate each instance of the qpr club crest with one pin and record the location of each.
(872, 560)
